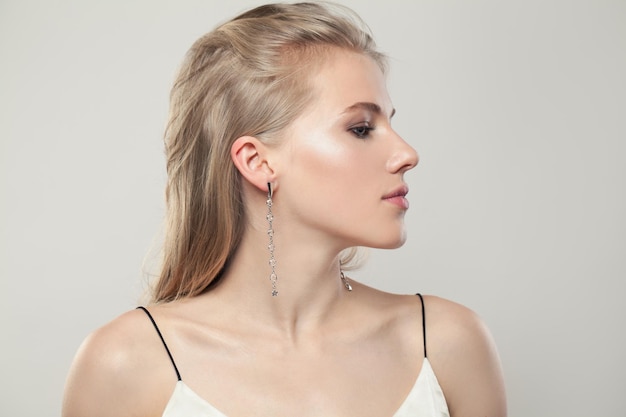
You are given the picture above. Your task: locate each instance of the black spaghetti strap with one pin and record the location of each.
(423, 322)
(162, 340)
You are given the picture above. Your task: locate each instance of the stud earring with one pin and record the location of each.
(270, 234)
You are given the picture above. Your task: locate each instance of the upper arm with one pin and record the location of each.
(466, 361)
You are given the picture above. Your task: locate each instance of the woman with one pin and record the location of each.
(281, 157)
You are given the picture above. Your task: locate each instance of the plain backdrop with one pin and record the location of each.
(518, 109)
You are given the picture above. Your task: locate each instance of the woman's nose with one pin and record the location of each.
(404, 157)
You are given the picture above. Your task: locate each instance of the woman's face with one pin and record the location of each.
(342, 163)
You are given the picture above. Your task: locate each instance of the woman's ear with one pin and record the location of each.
(250, 157)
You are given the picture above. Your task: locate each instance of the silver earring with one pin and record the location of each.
(270, 246)
(345, 281)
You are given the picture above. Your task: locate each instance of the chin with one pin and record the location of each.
(391, 242)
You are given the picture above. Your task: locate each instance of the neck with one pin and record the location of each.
(310, 290)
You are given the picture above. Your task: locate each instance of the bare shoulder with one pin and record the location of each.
(465, 359)
(117, 370)
(451, 327)
(449, 321)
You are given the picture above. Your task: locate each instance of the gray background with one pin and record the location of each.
(518, 109)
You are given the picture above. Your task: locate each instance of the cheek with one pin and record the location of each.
(336, 167)
(339, 186)
(328, 151)
(320, 150)
(316, 156)
(322, 177)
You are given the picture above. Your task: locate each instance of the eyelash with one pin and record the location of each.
(362, 131)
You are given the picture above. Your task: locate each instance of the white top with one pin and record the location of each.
(425, 400)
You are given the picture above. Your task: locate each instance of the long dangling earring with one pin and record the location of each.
(270, 246)
(344, 279)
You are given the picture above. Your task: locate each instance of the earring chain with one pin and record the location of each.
(270, 246)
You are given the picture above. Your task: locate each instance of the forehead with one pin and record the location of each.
(345, 78)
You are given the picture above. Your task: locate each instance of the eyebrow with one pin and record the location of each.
(373, 107)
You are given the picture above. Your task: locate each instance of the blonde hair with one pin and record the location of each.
(246, 77)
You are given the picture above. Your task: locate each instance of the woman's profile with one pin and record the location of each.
(281, 159)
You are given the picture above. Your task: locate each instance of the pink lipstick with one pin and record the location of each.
(398, 197)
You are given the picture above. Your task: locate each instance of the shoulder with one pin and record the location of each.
(118, 369)
(449, 325)
(465, 359)
(459, 347)
(451, 322)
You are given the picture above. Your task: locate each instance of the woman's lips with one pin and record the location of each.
(397, 197)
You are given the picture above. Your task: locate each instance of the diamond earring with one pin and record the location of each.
(270, 246)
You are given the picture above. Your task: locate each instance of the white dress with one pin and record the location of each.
(425, 399)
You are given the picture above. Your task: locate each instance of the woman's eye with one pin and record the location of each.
(361, 131)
